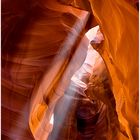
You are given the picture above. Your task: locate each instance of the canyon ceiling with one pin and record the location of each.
(44, 45)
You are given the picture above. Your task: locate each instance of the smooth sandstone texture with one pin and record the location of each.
(38, 60)
(42, 47)
(119, 24)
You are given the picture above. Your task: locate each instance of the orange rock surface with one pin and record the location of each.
(43, 45)
(119, 24)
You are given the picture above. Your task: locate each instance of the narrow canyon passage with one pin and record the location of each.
(70, 70)
(86, 111)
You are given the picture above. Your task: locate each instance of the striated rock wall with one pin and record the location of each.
(119, 24)
(44, 45)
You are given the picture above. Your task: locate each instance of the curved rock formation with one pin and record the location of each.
(34, 59)
(120, 64)
(81, 118)
(43, 45)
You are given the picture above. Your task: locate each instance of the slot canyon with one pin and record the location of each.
(70, 70)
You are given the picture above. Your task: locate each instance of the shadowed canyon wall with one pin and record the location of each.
(35, 60)
(44, 44)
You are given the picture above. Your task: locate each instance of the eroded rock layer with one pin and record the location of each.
(36, 53)
(120, 29)
(43, 45)
(81, 118)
